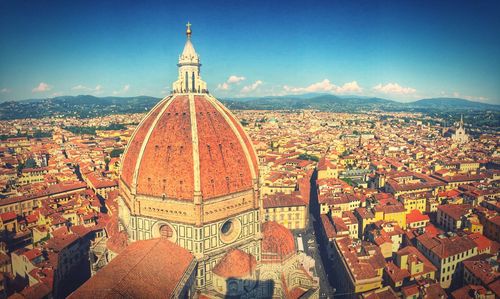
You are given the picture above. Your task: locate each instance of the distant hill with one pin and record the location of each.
(452, 103)
(75, 106)
(90, 106)
(321, 102)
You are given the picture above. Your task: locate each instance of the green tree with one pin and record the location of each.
(115, 153)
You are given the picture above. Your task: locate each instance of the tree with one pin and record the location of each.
(308, 157)
(115, 153)
(30, 163)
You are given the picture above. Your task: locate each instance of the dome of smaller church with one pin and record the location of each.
(278, 242)
(236, 264)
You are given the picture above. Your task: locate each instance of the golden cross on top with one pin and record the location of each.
(188, 30)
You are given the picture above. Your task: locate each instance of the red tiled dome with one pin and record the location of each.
(236, 263)
(187, 145)
(277, 242)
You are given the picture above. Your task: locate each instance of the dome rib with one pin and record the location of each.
(196, 149)
(136, 141)
(145, 143)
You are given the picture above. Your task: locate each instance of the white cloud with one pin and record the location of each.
(233, 79)
(326, 86)
(56, 94)
(349, 87)
(394, 88)
(223, 86)
(42, 87)
(125, 89)
(5, 90)
(251, 87)
(82, 88)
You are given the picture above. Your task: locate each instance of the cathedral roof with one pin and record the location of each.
(189, 144)
(145, 269)
(236, 263)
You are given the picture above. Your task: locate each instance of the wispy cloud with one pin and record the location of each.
(326, 86)
(82, 88)
(251, 87)
(165, 90)
(457, 94)
(42, 87)
(223, 86)
(233, 79)
(394, 89)
(5, 90)
(124, 90)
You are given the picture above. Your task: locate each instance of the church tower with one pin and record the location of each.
(190, 174)
(460, 136)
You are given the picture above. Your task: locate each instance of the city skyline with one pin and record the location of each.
(195, 195)
(398, 51)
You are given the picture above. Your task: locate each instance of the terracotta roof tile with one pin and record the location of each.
(236, 263)
(146, 269)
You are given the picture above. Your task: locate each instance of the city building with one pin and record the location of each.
(447, 252)
(409, 265)
(453, 217)
(360, 265)
(290, 210)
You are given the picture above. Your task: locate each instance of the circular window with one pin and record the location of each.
(166, 232)
(230, 230)
(226, 227)
(163, 230)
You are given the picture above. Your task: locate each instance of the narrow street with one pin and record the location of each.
(314, 244)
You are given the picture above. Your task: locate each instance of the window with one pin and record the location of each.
(166, 232)
(226, 227)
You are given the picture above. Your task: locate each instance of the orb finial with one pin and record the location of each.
(188, 29)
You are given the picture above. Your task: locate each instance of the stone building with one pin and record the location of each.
(190, 174)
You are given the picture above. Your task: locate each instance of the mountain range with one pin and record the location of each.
(332, 102)
(91, 106)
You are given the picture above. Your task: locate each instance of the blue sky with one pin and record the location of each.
(403, 50)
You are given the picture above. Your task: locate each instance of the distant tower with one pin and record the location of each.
(460, 137)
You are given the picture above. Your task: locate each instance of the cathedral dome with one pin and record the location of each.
(189, 145)
(277, 243)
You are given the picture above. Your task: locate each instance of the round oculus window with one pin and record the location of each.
(226, 227)
(230, 230)
(166, 232)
